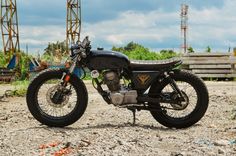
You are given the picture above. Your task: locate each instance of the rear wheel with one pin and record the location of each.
(54, 105)
(181, 113)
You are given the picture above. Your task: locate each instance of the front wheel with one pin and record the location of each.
(181, 113)
(54, 105)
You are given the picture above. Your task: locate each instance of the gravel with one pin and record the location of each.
(107, 130)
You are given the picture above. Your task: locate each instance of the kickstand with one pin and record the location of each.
(134, 116)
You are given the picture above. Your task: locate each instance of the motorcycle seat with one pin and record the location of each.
(154, 65)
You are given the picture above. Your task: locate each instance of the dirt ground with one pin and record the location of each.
(106, 130)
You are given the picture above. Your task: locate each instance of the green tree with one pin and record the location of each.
(55, 52)
(191, 50)
(137, 51)
(119, 49)
(132, 46)
(3, 60)
(53, 48)
(165, 54)
(208, 49)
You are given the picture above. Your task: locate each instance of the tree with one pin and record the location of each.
(167, 51)
(3, 60)
(119, 49)
(191, 50)
(208, 49)
(55, 52)
(132, 46)
(53, 48)
(137, 51)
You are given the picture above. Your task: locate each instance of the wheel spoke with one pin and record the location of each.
(65, 106)
(190, 94)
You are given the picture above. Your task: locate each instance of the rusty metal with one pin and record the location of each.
(9, 27)
(73, 26)
(6, 75)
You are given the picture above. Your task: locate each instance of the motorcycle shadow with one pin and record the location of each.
(127, 125)
(113, 126)
(117, 126)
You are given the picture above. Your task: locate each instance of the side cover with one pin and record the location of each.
(143, 79)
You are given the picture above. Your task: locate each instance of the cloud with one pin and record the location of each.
(213, 26)
(38, 37)
(153, 23)
(43, 12)
(135, 26)
(100, 10)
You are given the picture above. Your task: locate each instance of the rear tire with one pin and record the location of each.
(197, 113)
(44, 118)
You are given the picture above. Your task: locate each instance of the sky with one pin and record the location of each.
(152, 23)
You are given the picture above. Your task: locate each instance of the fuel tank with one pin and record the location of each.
(102, 60)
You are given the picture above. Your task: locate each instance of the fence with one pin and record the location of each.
(205, 65)
(211, 65)
(6, 75)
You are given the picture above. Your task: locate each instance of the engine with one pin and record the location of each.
(119, 94)
(112, 81)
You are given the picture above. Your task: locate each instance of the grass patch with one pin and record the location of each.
(20, 88)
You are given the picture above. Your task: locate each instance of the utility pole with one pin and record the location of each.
(184, 27)
(9, 27)
(73, 26)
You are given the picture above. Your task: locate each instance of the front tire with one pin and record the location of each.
(201, 99)
(36, 99)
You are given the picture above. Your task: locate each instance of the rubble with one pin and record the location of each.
(106, 130)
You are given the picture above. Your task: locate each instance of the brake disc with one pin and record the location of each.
(51, 92)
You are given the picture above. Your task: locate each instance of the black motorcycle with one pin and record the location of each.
(175, 98)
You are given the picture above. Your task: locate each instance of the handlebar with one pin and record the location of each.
(80, 48)
(84, 44)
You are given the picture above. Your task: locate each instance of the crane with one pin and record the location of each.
(10, 30)
(73, 21)
(9, 27)
(11, 37)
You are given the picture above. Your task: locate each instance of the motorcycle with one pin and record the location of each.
(174, 97)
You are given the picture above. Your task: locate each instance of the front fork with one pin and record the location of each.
(66, 76)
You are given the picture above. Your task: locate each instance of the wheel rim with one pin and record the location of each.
(174, 111)
(48, 107)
